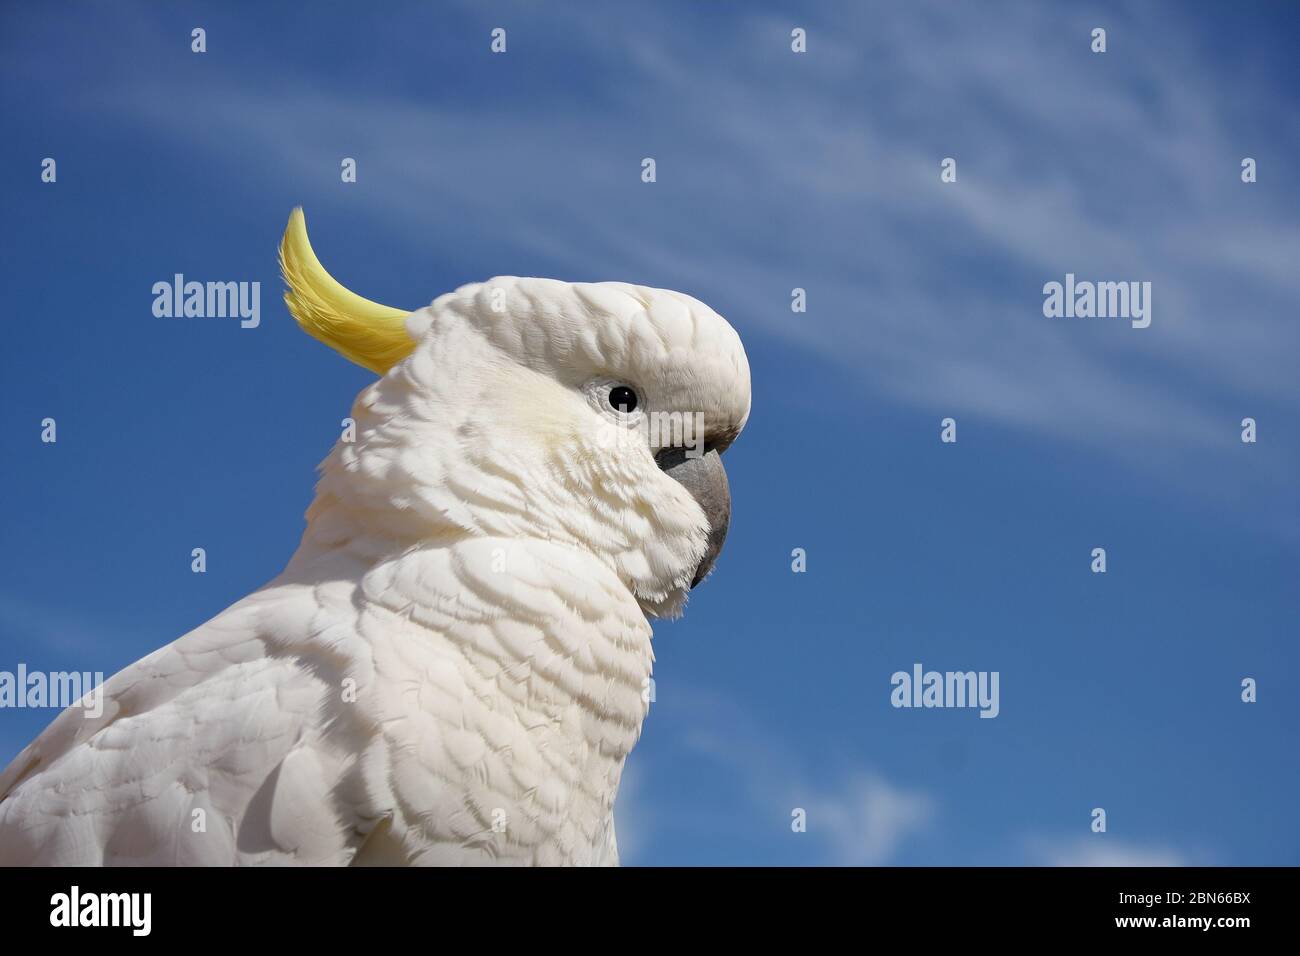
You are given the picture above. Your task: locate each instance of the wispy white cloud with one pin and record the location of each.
(1101, 849)
(866, 820)
(856, 816)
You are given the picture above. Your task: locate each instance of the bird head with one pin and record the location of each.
(590, 415)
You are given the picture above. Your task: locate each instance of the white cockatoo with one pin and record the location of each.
(454, 665)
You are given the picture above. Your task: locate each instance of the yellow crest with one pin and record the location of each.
(372, 335)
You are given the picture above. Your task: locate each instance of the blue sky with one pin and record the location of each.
(775, 171)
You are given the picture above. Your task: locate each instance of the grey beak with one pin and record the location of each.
(706, 480)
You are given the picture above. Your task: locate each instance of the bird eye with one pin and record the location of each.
(622, 399)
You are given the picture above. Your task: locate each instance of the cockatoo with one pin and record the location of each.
(453, 667)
